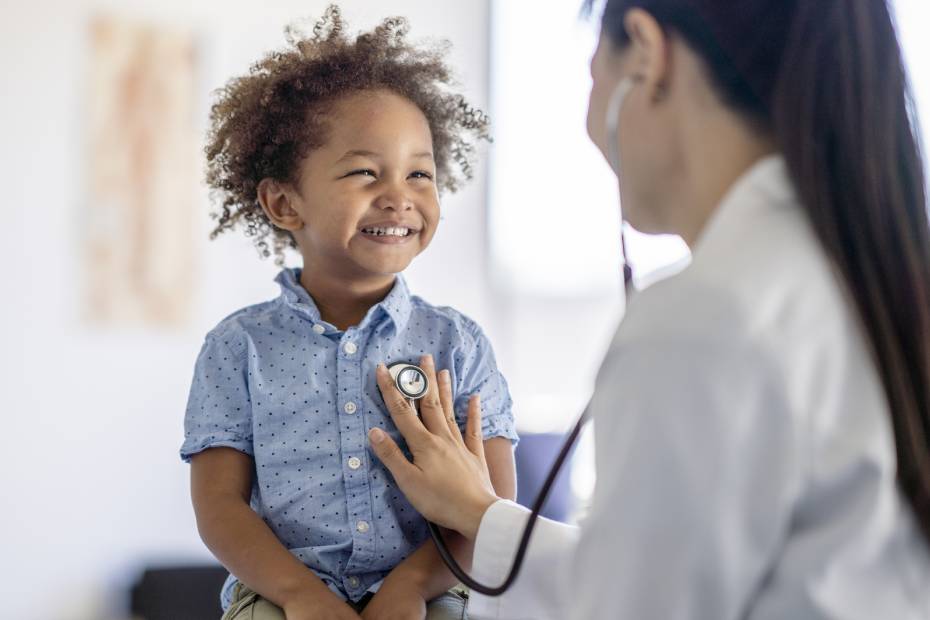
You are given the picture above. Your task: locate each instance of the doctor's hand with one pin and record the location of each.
(448, 480)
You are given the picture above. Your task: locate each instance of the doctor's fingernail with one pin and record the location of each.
(376, 435)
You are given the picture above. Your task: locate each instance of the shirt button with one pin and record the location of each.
(354, 463)
(353, 581)
(362, 526)
(318, 329)
(350, 407)
(350, 348)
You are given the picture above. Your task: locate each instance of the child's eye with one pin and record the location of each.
(421, 174)
(363, 172)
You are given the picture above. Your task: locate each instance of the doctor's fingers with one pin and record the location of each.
(391, 455)
(402, 412)
(448, 404)
(431, 406)
(474, 439)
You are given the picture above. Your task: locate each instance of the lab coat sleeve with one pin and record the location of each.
(540, 591)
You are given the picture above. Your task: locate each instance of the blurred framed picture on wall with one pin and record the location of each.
(142, 166)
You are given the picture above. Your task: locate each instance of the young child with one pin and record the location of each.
(338, 148)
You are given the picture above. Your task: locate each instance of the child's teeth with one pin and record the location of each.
(393, 231)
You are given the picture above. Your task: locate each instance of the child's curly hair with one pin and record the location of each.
(265, 122)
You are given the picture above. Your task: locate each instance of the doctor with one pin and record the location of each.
(762, 418)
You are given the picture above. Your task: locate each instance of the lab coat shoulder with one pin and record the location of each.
(785, 298)
(752, 413)
(696, 461)
(700, 449)
(761, 286)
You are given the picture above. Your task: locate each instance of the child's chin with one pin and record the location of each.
(387, 268)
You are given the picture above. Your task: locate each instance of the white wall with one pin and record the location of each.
(91, 480)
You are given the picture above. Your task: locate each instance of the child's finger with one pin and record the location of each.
(448, 403)
(474, 440)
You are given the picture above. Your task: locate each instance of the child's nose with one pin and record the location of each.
(394, 199)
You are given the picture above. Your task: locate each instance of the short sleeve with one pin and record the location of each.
(477, 373)
(219, 411)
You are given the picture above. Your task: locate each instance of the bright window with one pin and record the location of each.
(554, 222)
(912, 18)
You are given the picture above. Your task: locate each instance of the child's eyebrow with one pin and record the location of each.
(358, 153)
(373, 155)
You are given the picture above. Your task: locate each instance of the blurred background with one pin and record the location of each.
(110, 282)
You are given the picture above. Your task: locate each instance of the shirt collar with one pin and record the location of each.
(765, 185)
(397, 305)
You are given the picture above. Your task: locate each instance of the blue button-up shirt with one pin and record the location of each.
(299, 396)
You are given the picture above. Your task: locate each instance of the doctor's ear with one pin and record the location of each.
(650, 49)
(276, 199)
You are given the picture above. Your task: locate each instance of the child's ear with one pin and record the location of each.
(276, 201)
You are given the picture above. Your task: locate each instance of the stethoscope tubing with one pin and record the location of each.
(525, 537)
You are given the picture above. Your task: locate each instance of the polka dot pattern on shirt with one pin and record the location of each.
(268, 384)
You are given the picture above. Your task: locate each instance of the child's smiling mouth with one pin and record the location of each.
(389, 234)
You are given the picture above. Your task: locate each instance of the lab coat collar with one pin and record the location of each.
(765, 185)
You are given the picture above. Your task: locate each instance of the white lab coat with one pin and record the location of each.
(745, 458)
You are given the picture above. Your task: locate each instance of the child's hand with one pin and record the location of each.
(392, 602)
(314, 607)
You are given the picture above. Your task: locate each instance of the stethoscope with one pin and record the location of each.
(411, 381)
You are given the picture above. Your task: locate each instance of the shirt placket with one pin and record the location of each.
(355, 465)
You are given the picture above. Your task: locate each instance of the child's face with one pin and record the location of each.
(367, 199)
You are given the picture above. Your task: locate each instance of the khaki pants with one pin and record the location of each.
(247, 605)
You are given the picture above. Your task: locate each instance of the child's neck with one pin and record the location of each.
(344, 302)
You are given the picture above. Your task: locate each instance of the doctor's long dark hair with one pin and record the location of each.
(826, 79)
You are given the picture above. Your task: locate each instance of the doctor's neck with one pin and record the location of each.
(714, 146)
(718, 149)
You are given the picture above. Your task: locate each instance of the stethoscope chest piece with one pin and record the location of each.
(410, 380)
(412, 383)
